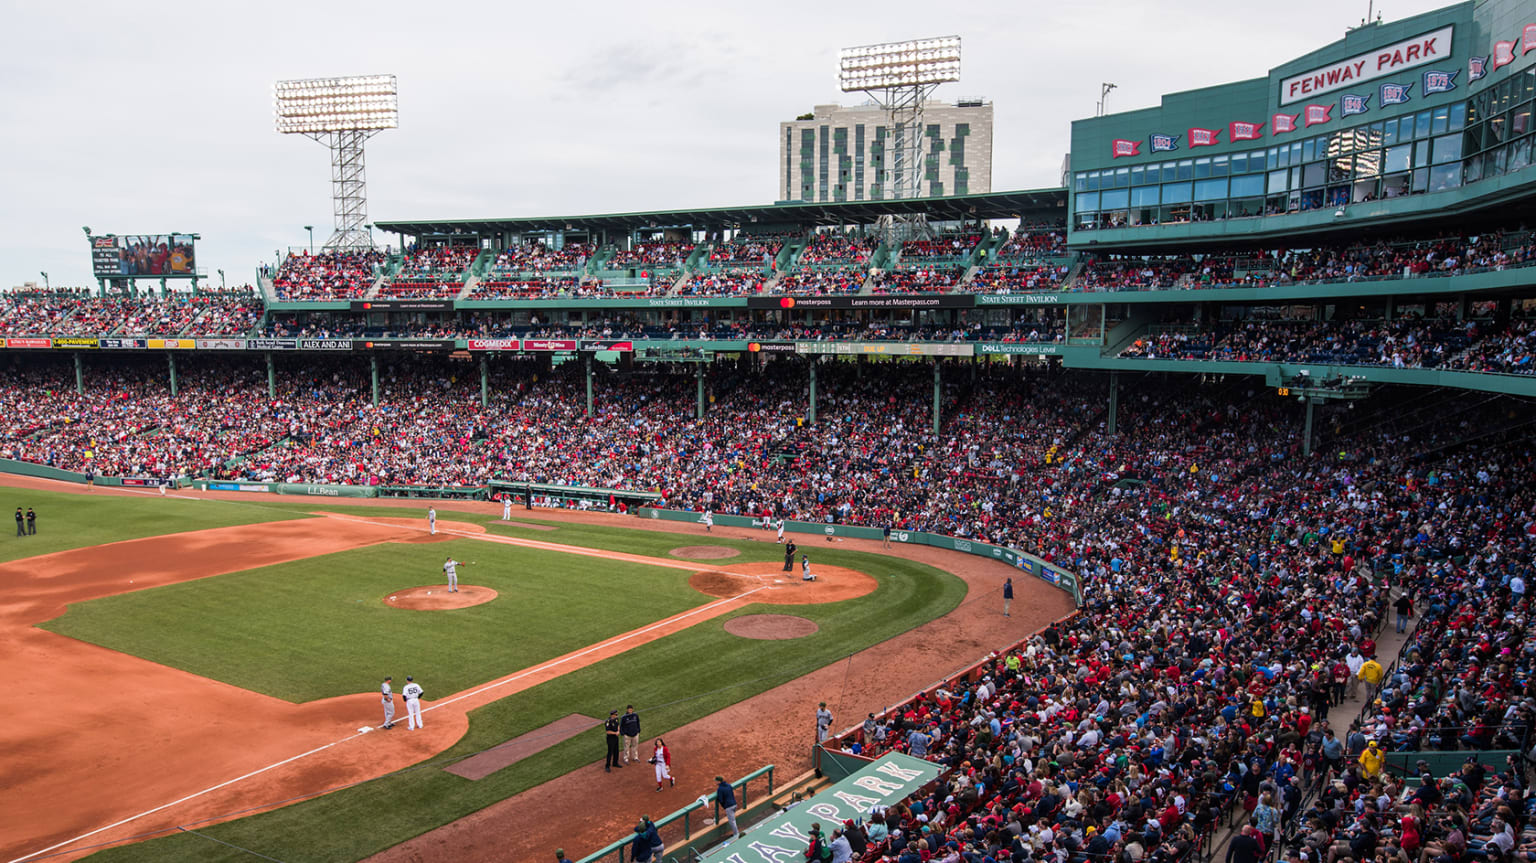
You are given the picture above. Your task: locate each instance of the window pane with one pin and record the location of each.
(1087, 202)
(1202, 168)
(1239, 163)
(1138, 176)
(1176, 193)
(1211, 190)
(1118, 199)
(1122, 178)
(1277, 181)
(1313, 175)
(1447, 149)
(1144, 196)
(1219, 166)
(1093, 181)
(1421, 125)
(1186, 169)
(1443, 177)
(1274, 159)
(1399, 157)
(1439, 120)
(1247, 186)
(1458, 116)
(1421, 155)
(1389, 132)
(1170, 171)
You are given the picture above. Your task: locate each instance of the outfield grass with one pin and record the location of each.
(66, 521)
(318, 627)
(671, 681)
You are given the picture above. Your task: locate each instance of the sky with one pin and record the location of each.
(157, 117)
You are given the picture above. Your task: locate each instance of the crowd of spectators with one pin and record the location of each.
(1406, 342)
(1441, 256)
(1035, 241)
(538, 257)
(724, 284)
(823, 281)
(838, 249)
(664, 254)
(919, 280)
(944, 247)
(542, 287)
(327, 276)
(1014, 279)
(748, 249)
(78, 313)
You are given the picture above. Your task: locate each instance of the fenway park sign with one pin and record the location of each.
(1376, 63)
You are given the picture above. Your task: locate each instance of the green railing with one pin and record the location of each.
(687, 846)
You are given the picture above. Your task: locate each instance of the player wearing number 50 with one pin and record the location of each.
(451, 569)
(412, 693)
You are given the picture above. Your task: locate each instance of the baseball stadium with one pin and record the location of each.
(1182, 510)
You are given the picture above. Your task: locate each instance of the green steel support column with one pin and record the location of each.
(811, 414)
(373, 364)
(937, 380)
(589, 384)
(171, 360)
(698, 373)
(485, 382)
(1306, 443)
(1114, 402)
(79, 374)
(271, 377)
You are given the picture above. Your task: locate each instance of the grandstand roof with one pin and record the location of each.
(1026, 204)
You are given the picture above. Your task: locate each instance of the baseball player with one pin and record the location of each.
(451, 569)
(823, 723)
(708, 520)
(661, 756)
(432, 520)
(779, 526)
(805, 568)
(412, 694)
(506, 507)
(389, 703)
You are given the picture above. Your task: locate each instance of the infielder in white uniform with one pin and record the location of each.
(708, 521)
(412, 693)
(432, 519)
(506, 507)
(780, 525)
(389, 703)
(451, 569)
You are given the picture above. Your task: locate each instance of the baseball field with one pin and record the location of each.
(201, 675)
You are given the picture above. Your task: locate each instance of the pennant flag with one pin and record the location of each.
(1281, 123)
(1394, 94)
(1477, 67)
(1237, 130)
(1439, 82)
(1319, 114)
(1528, 39)
(1164, 143)
(1126, 148)
(1352, 104)
(1203, 137)
(1503, 54)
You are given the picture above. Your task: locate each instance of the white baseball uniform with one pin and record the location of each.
(708, 520)
(451, 567)
(662, 758)
(780, 525)
(389, 705)
(412, 693)
(506, 507)
(432, 519)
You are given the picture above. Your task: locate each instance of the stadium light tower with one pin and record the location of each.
(900, 76)
(341, 113)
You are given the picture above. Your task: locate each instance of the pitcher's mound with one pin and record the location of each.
(435, 597)
(767, 582)
(703, 552)
(771, 627)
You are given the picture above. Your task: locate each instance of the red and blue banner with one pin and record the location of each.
(1122, 147)
(1394, 94)
(1281, 123)
(1319, 114)
(1198, 137)
(1237, 130)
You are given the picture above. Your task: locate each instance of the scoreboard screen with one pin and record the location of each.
(168, 256)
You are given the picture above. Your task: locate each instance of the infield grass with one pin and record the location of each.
(318, 627)
(672, 681)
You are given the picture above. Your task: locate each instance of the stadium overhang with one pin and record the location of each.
(1029, 205)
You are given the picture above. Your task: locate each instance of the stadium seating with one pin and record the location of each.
(326, 276)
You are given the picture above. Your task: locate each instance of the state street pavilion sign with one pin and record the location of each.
(887, 780)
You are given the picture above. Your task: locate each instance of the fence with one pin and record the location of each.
(692, 846)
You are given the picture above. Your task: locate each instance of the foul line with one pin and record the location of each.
(533, 543)
(553, 663)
